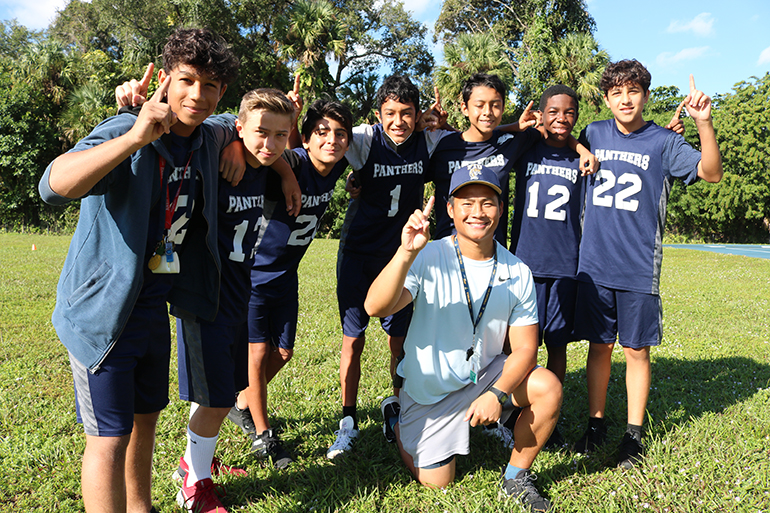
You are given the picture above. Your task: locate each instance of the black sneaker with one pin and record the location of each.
(390, 408)
(267, 445)
(591, 439)
(555, 441)
(242, 419)
(630, 452)
(522, 488)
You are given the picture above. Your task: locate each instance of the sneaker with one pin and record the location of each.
(630, 452)
(390, 407)
(201, 497)
(555, 441)
(500, 432)
(522, 488)
(345, 437)
(267, 445)
(242, 419)
(591, 439)
(217, 468)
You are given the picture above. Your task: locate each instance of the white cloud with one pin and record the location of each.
(764, 57)
(419, 7)
(701, 25)
(688, 54)
(34, 15)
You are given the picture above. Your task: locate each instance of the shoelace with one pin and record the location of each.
(343, 438)
(206, 494)
(504, 434)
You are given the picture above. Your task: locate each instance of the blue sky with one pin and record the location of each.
(721, 43)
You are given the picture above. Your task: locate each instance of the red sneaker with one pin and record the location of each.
(217, 468)
(201, 497)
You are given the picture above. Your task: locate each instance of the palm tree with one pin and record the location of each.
(578, 63)
(310, 33)
(469, 54)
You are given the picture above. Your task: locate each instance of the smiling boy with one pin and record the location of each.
(621, 249)
(147, 186)
(283, 240)
(389, 161)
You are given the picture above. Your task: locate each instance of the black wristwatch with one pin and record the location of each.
(501, 396)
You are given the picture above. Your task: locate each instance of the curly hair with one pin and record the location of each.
(628, 71)
(556, 90)
(202, 49)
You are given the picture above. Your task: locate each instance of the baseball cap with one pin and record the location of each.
(474, 173)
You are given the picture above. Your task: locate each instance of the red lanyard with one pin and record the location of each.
(171, 208)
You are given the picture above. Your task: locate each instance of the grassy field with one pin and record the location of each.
(708, 424)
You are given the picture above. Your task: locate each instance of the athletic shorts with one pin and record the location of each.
(556, 309)
(355, 276)
(273, 320)
(604, 315)
(213, 361)
(434, 433)
(133, 378)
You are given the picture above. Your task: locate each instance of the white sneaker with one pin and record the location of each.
(500, 432)
(345, 437)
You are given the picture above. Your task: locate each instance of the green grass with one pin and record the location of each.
(708, 425)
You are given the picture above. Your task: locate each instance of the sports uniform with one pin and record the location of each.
(213, 355)
(283, 241)
(625, 213)
(546, 232)
(391, 178)
(498, 153)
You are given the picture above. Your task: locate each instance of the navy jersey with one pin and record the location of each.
(625, 211)
(546, 218)
(391, 179)
(284, 239)
(498, 153)
(239, 212)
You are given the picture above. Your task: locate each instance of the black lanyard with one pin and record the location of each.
(468, 291)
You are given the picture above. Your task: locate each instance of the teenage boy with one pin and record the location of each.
(485, 143)
(545, 233)
(470, 294)
(283, 240)
(621, 251)
(146, 235)
(389, 160)
(213, 355)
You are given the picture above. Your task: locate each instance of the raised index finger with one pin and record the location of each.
(429, 206)
(160, 93)
(678, 112)
(145, 82)
(296, 85)
(692, 84)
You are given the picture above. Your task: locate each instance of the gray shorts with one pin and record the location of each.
(435, 432)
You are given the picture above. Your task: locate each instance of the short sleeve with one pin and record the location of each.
(433, 138)
(359, 148)
(680, 159)
(524, 312)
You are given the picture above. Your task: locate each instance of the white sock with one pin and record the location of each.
(193, 409)
(199, 455)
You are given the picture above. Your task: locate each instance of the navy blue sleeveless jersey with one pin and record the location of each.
(240, 212)
(284, 239)
(625, 211)
(392, 181)
(498, 153)
(546, 217)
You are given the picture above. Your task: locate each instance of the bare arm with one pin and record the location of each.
(523, 358)
(387, 294)
(73, 174)
(698, 107)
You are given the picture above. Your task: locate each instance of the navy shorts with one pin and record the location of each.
(273, 319)
(556, 309)
(355, 276)
(213, 361)
(604, 315)
(133, 378)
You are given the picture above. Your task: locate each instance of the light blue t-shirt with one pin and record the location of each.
(435, 362)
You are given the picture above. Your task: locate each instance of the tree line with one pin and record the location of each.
(57, 84)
